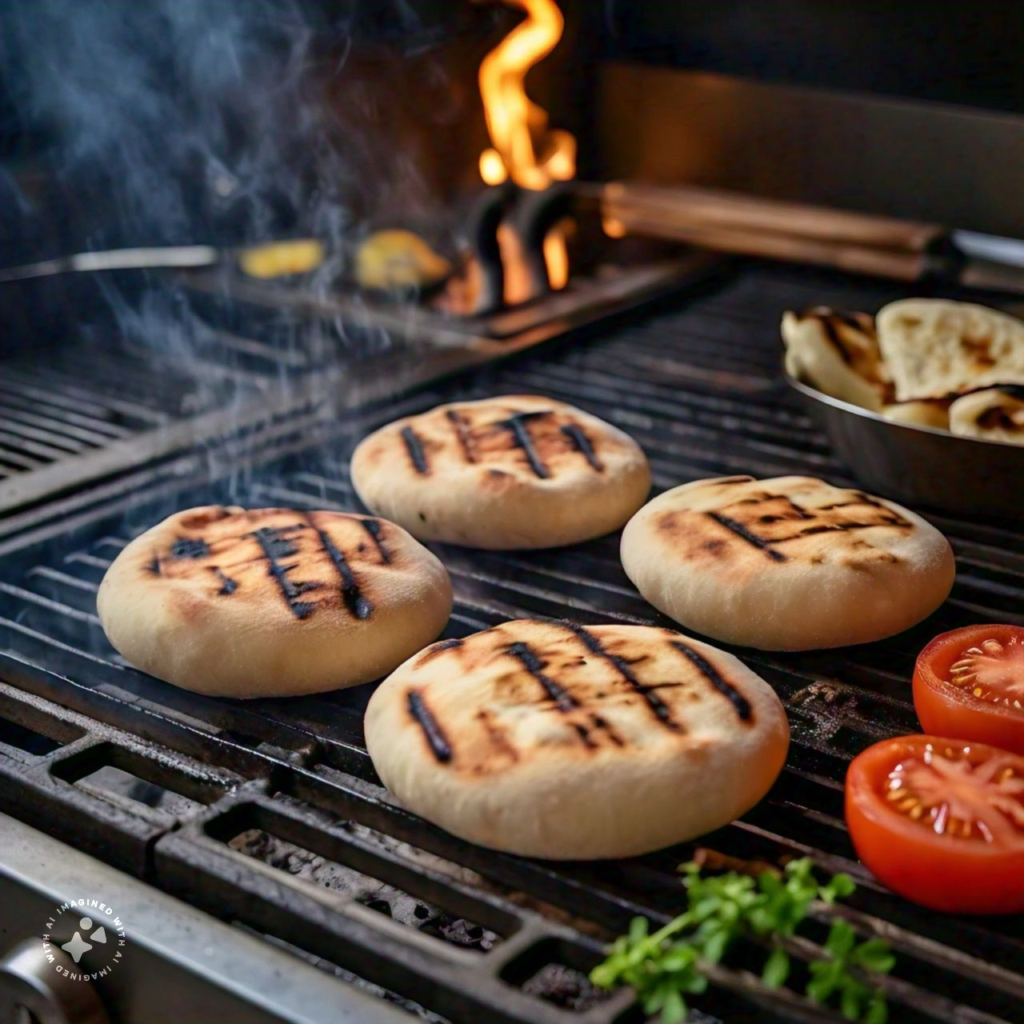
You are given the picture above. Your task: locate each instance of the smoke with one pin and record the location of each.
(175, 121)
(224, 122)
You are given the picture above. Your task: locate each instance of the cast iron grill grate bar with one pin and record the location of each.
(301, 767)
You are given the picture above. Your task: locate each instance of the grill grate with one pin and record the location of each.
(269, 812)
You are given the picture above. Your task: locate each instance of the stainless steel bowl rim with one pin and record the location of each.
(858, 410)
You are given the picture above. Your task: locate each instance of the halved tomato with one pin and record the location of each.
(970, 684)
(941, 822)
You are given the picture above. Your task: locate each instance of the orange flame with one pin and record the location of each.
(524, 148)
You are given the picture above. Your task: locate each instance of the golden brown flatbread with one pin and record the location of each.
(520, 471)
(936, 347)
(557, 740)
(272, 601)
(790, 563)
(838, 353)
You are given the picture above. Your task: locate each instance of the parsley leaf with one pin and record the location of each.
(666, 965)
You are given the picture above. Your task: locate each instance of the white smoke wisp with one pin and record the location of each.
(174, 122)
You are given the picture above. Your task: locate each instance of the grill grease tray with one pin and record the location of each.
(696, 387)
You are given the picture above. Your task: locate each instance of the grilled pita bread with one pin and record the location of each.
(837, 353)
(934, 413)
(563, 741)
(936, 347)
(514, 472)
(272, 602)
(791, 563)
(996, 414)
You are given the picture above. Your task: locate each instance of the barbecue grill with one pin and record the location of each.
(261, 871)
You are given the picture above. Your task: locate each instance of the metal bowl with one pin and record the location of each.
(920, 465)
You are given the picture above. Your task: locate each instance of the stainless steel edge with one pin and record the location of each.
(920, 465)
(179, 964)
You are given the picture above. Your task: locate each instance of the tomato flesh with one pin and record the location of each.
(970, 684)
(941, 822)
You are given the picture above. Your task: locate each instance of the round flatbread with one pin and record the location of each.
(837, 353)
(272, 602)
(563, 741)
(786, 564)
(995, 414)
(514, 472)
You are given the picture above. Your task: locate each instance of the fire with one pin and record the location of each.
(523, 147)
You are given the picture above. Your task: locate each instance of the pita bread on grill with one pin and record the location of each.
(936, 347)
(567, 742)
(837, 353)
(996, 414)
(791, 563)
(519, 471)
(272, 602)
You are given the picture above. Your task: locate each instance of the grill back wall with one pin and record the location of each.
(916, 110)
(268, 813)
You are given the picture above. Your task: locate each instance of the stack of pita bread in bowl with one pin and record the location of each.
(952, 366)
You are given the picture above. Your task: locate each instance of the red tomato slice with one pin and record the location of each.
(970, 684)
(941, 822)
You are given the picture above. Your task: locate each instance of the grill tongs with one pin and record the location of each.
(861, 243)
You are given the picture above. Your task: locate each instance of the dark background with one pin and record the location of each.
(344, 115)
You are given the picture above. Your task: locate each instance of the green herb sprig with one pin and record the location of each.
(666, 965)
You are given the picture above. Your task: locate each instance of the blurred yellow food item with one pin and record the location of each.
(278, 259)
(397, 259)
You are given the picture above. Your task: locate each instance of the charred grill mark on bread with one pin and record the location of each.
(740, 703)
(655, 703)
(463, 435)
(439, 648)
(497, 736)
(815, 523)
(828, 325)
(584, 734)
(602, 723)
(353, 597)
(190, 547)
(582, 444)
(516, 425)
(372, 527)
(275, 544)
(525, 655)
(751, 538)
(432, 731)
(227, 584)
(414, 446)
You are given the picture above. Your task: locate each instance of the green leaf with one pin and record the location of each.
(776, 968)
(841, 886)
(673, 1010)
(638, 929)
(715, 945)
(800, 869)
(852, 999)
(695, 983)
(821, 987)
(874, 955)
(841, 938)
(666, 965)
(878, 1010)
